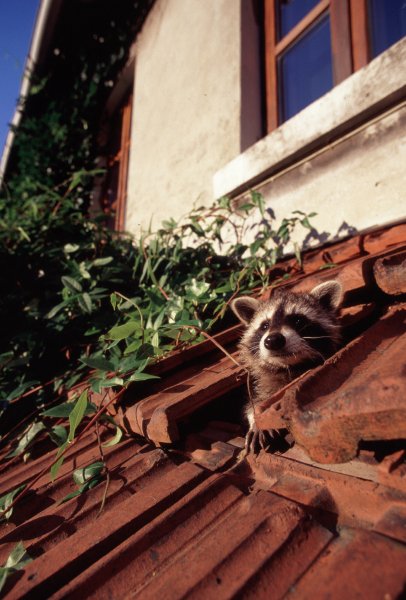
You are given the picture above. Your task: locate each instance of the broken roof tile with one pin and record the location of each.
(390, 273)
(357, 395)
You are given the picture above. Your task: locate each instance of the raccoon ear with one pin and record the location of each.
(245, 308)
(329, 294)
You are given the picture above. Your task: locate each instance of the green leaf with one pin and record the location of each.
(146, 350)
(24, 234)
(142, 377)
(85, 474)
(132, 347)
(305, 223)
(95, 386)
(98, 362)
(224, 202)
(113, 300)
(121, 332)
(258, 200)
(59, 435)
(197, 288)
(182, 335)
(85, 302)
(101, 262)
(18, 557)
(132, 362)
(7, 499)
(70, 248)
(16, 561)
(64, 410)
(76, 180)
(56, 309)
(57, 465)
(70, 496)
(92, 331)
(83, 488)
(114, 440)
(4, 573)
(60, 411)
(159, 320)
(29, 435)
(247, 207)
(155, 339)
(77, 415)
(105, 383)
(71, 284)
(255, 246)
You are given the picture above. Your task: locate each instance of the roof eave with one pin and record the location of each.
(40, 40)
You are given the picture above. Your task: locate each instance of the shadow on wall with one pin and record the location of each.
(314, 237)
(345, 230)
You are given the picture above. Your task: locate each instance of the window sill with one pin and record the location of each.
(365, 94)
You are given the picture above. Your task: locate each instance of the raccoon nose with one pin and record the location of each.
(274, 341)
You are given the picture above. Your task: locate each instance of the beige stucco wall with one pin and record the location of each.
(342, 157)
(356, 184)
(186, 113)
(195, 110)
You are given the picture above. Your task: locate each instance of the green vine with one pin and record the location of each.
(81, 297)
(83, 303)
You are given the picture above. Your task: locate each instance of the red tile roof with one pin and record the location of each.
(324, 518)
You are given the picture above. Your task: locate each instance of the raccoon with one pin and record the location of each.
(284, 337)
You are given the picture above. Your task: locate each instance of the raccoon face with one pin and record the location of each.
(290, 328)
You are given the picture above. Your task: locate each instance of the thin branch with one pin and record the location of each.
(215, 342)
(105, 466)
(46, 469)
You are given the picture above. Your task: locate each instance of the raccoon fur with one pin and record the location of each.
(285, 336)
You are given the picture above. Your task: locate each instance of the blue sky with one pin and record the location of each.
(17, 19)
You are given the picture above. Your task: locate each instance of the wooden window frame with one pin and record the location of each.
(349, 44)
(121, 201)
(117, 205)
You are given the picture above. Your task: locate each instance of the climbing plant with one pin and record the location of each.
(82, 303)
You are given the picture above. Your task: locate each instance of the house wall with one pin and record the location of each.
(187, 104)
(342, 157)
(197, 129)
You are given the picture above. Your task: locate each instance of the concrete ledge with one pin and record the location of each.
(367, 92)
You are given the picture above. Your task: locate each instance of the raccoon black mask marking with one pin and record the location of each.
(287, 335)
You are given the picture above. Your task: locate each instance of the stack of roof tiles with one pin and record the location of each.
(185, 517)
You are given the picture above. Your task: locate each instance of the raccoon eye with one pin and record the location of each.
(264, 326)
(297, 321)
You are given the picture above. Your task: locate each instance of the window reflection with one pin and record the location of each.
(305, 70)
(290, 12)
(387, 23)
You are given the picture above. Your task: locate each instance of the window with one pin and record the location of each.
(387, 22)
(312, 45)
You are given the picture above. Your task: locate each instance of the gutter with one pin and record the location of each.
(41, 35)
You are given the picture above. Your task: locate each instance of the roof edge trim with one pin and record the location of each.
(46, 9)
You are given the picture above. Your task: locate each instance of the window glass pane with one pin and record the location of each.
(290, 12)
(305, 70)
(387, 22)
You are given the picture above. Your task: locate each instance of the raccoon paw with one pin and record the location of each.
(264, 439)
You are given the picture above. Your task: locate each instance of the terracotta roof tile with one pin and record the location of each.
(353, 567)
(358, 394)
(324, 518)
